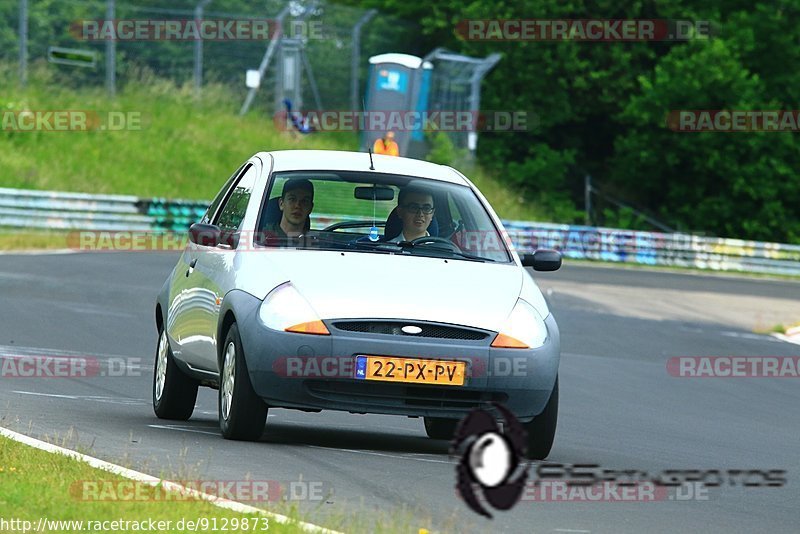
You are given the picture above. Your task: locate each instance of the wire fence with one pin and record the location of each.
(71, 37)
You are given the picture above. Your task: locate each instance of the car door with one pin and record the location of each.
(212, 271)
(186, 295)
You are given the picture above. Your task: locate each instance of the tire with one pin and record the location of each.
(242, 413)
(174, 393)
(542, 430)
(438, 428)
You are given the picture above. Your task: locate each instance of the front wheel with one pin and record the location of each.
(174, 393)
(242, 413)
(542, 430)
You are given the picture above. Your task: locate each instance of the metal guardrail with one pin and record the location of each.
(654, 248)
(22, 208)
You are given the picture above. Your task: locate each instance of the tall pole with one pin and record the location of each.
(262, 68)
(587, 198)
(23, 42)
(356, 57)
(111, 53)
(198, 48)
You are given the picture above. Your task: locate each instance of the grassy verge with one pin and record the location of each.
(32, 240)
(186, 147)
(37, 484)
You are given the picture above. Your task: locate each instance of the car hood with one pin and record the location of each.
(365, 285)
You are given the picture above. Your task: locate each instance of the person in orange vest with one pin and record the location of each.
(386, 145)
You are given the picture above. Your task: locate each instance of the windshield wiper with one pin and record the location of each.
(465, 255)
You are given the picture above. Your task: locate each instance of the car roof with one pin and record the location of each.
(339, 160)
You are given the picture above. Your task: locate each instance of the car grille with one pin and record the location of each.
(393, 328)
(403, 395)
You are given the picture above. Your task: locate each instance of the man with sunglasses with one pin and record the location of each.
(415, 208)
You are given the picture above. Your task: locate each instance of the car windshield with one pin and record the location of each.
(378, 213)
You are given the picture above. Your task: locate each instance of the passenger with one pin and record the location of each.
(415, 208)
(296, 203)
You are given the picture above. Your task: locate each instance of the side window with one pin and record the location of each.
(212, 208)
(232, 214)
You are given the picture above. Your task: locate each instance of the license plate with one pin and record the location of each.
(393, 369)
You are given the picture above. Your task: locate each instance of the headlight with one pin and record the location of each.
(524, 329)
(286, 309)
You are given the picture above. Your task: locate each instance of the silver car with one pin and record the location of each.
(356, 282)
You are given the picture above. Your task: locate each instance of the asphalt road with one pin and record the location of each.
(619, 406)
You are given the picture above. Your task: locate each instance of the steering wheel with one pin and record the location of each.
(458, 228)
(429, 239)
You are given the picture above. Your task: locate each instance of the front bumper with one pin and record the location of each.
(317, 372)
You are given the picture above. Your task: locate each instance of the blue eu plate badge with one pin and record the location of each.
(361, 367)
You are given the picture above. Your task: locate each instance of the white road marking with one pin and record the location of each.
(92, 398)
(43, 252)
(760, 337)
(385, 455)
(569, 530)
(14, 350)
(789, 339)
(155, 481)
(183, 429)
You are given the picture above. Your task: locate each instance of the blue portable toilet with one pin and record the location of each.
(398, 83)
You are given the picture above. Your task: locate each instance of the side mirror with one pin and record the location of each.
(206, 235)
(543, 260)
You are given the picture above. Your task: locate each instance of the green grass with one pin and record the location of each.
(37, 484)
(187, 147)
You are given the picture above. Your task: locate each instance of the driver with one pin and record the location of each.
(415, 208)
